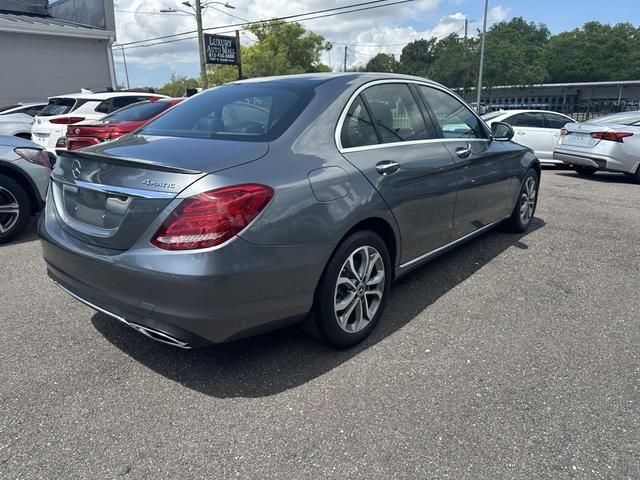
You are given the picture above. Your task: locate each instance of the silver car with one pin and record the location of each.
(610, 143)
(272, 201)
(24, 175)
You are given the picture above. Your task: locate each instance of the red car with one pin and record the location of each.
(117, 124)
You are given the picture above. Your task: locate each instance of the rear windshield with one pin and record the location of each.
(57, 106)
(138, 111)
(249, 112)
(8, 107)
(626, 118)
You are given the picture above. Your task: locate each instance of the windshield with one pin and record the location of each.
(57, 106)
(626, 118)
(250, 112)
(138, 112)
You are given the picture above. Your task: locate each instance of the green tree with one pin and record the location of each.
(382, 62)
(455, 62)
(219, 74)
(417, 57)
(594, 53)
(514, 53)
(283, 49)
(177, 85)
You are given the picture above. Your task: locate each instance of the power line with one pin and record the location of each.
(336, 11)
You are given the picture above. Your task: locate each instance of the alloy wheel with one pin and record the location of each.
(528, 200)
(9, 210)
(359, 289)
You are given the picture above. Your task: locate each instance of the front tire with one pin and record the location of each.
(15, 209)
(525, 207)
(353, 290)
(584, 170)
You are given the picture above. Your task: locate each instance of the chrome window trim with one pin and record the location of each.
(361, 88)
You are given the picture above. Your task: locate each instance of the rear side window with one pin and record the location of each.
(249, 112)
(529, 119)
(556, 121)
(357, 129)
(454, 117)
(395, 112)
(139, 111)
(58, 106)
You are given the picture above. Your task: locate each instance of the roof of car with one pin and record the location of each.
(514, 112)
(312, 80)
(107, 95)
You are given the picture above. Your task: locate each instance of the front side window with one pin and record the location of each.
(455, 119)
(358, 129)
(395, 113)
(248, 112)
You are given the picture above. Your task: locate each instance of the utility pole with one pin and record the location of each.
(203, 65)
(466, 27)
(126, 72)
(484, 34)
(345, 59)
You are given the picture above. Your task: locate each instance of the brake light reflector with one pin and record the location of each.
(611, 136)
(211, 218)
(66, 120)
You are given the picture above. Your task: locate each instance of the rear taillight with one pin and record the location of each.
(34, 155)
(564, 131)
(211, 218)
(611, 136)
(66, 120)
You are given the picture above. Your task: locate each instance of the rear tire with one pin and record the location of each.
(353, 291)
(15, 209)
(584, 170)
(525, 207)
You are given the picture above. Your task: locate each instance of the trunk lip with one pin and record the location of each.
(112, 189)
(128, 162)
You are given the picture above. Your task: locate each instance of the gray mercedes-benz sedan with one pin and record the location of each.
(271, 201)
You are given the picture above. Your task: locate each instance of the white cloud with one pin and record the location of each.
(498, 14)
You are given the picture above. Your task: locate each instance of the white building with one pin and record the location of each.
(52, 49)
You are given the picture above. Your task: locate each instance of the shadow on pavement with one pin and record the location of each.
(29, 234)
(605, 177)
(277, 361)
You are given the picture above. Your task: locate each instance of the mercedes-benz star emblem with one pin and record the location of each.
(75, 168)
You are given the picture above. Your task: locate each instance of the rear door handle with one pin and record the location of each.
(387, 167)
(464, 152)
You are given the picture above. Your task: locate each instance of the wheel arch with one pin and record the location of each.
(25, 182)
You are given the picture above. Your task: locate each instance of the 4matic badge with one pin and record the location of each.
(152, 183)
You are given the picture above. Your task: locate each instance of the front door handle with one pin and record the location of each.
(464, 152)
(387, 167)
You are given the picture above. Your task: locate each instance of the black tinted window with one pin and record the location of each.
(358, 130)
(396, 113)
(57, 106)
(528, 119)
(257, 112)
(139, 111)
(8, 107)
(120, 102)
(555, 121)
(454, 117)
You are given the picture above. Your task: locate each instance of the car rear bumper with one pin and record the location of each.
(601, 162)
(197, 299)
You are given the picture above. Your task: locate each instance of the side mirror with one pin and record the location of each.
(501, 131)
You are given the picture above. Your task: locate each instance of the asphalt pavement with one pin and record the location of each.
(514, 356)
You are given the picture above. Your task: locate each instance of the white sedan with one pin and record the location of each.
(537, 129)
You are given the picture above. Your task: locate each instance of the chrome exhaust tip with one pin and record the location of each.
(152, 333)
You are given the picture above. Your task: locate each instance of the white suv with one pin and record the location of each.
(52, 121)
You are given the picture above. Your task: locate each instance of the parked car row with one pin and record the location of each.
(610, 143)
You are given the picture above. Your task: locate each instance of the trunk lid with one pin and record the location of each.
(108, 195)
(580, 134)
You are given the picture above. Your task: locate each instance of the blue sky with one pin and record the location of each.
(366, 33)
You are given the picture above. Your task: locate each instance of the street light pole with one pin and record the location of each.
(484, 34)
(203, 65)
(197, 8)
